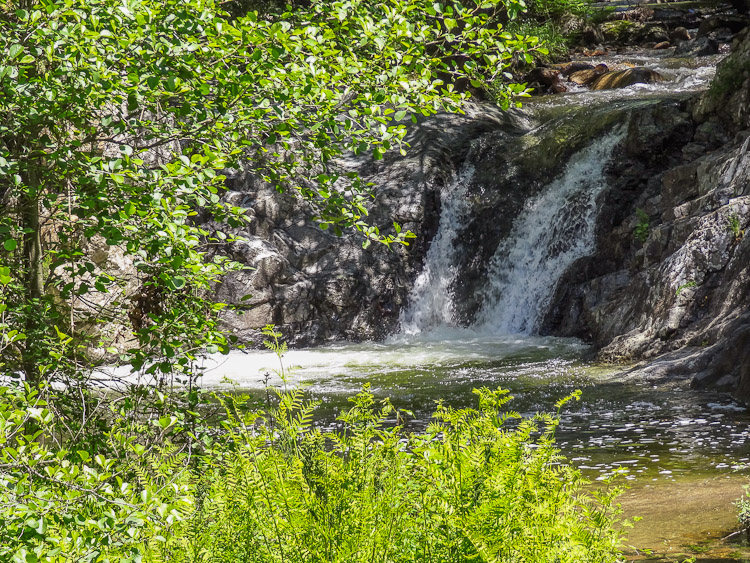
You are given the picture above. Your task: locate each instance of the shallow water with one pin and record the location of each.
(682, 452)
(682, 76)
(656, 433)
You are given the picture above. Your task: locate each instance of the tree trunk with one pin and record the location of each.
(34, 276)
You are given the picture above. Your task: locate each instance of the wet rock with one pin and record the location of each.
(699, 47)
(587, 76)
(663, 45)
(679, 34)
(625, 78)
(545, 80)
(575, 66)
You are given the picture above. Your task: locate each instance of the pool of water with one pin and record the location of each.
(653, 432)
(682, 452)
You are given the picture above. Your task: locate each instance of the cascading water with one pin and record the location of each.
(554, 230)
(431, 299)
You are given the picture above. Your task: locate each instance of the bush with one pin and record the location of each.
(272, 487)
(468, 489)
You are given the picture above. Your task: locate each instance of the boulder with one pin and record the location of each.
(699, 47)
(588, 76)
(663, 45)
(625, 78)
(679, 34)
(625, 32)
(575, 66)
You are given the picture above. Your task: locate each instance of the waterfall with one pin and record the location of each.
(554, 230)
(431, 299)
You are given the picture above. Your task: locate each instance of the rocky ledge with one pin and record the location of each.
(670, 281)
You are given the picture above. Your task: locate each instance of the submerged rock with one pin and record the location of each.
(625, 78)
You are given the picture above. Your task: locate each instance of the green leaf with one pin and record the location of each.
(14, 51)
(10, 245)
(177, 282)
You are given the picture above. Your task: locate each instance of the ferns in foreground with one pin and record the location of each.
(468, 489)
(480, 485)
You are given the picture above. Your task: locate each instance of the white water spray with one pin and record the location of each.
(553, 231)
(431, 298)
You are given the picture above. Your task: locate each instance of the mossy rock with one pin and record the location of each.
(619, 31)
(624, 32)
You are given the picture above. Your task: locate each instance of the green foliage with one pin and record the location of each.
(558, 9)
(735, 227)
(117, 119)
(61, 502)
(743, 509)
(479, 485)
(555, 44)
(468, 489)
(642, 227)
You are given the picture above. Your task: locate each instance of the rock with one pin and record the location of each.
(733, 23)
(586, 77)
(545, 80)
(663, 45)
(592, 35)
(699, 47)
(639, 14)
(575, 66)
(625, 78)
(728, 98)
(625, 32)
(679, 34)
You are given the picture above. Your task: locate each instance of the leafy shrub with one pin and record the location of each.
(642, 227)
(479, 485)
(468, 489)
(60, 504)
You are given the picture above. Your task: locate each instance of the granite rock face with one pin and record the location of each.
(681, 291)
(318, 287)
